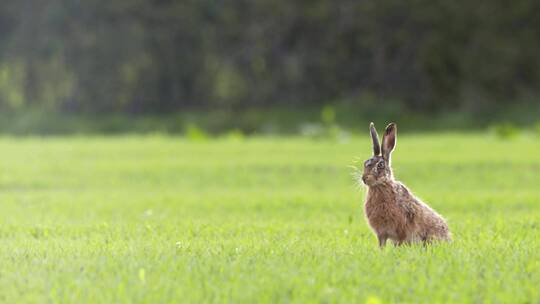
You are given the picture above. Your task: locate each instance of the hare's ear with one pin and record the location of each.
(389, 141)
(375, 139)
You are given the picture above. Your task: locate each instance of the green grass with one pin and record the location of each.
(261, 220)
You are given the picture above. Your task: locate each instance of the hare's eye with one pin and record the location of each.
(380, 165)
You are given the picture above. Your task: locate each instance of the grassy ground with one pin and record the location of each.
(160, 219)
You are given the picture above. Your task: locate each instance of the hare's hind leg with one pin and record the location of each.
(382, 239)
(401, 239)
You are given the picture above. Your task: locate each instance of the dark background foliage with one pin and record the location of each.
(142, 56)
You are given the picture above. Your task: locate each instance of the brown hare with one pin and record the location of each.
(392, 211)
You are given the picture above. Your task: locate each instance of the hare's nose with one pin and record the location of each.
(364, 177)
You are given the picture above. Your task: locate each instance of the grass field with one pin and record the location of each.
(161, 219)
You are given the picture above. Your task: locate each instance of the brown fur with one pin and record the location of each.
(392, 211)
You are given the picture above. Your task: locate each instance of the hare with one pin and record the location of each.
(391, 209)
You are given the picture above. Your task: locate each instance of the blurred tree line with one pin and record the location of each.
(160, 56)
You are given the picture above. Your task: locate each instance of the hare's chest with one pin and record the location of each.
(384, 217)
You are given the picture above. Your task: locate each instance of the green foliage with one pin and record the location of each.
(328, 115)
(159, 219)
(328, 129)
(307, 121)
(235, 135)
(537, 128)
(506, 130)
(146, 56)
(195, 133)
(276, 120)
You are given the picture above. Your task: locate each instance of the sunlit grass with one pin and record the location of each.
(162, 219)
